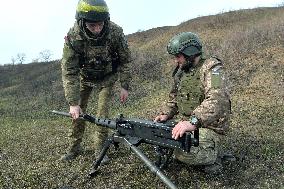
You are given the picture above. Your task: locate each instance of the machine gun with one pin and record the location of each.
(133, 132)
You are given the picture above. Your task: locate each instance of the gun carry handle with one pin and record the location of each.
(191, 141)
(187, 141)
(195, 140)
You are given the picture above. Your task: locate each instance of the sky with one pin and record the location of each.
(32, 26)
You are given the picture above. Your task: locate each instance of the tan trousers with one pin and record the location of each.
(103, 91)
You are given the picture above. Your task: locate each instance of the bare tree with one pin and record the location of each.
(45, 55)
(21, 57)
(13, 60)
(281, 4)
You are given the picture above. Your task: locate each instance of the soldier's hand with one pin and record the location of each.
(161, 118)
(181, 128)
(75, 111)
(123, 95)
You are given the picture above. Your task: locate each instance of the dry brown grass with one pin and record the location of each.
(250, 42)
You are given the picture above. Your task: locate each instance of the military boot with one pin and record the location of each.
(74, 151)
(228, 157)
(215, 168)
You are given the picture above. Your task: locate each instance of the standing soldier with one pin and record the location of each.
(95, 53)
(200, 98)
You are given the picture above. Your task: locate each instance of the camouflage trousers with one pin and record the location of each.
(206, 153)
(102, 91)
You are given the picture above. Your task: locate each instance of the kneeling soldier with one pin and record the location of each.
(199, 98)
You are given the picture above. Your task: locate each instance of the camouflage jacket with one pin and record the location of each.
(202, 92)
(88, 60)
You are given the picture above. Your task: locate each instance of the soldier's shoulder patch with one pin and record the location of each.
(66, 39)
(216, 76)
(216, 70)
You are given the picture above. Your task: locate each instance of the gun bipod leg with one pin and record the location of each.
(101, 156)
(153, 168)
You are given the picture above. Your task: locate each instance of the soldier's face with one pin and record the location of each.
(179, 59)
(95, 27)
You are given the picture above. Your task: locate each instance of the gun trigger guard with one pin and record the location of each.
(116, 145)
(134, 140)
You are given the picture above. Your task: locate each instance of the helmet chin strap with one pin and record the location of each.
(189, 62)
(187, 65)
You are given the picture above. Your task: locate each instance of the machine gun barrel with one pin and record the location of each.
(99, 121)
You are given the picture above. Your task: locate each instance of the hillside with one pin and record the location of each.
(251, 45)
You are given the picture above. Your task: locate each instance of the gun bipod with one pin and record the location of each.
(131, 143)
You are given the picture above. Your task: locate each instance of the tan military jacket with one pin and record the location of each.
(208, 98)
(88, 60)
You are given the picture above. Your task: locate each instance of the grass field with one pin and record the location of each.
(250, 42)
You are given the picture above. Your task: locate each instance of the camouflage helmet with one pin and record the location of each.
(186, 43)
(92, 10)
